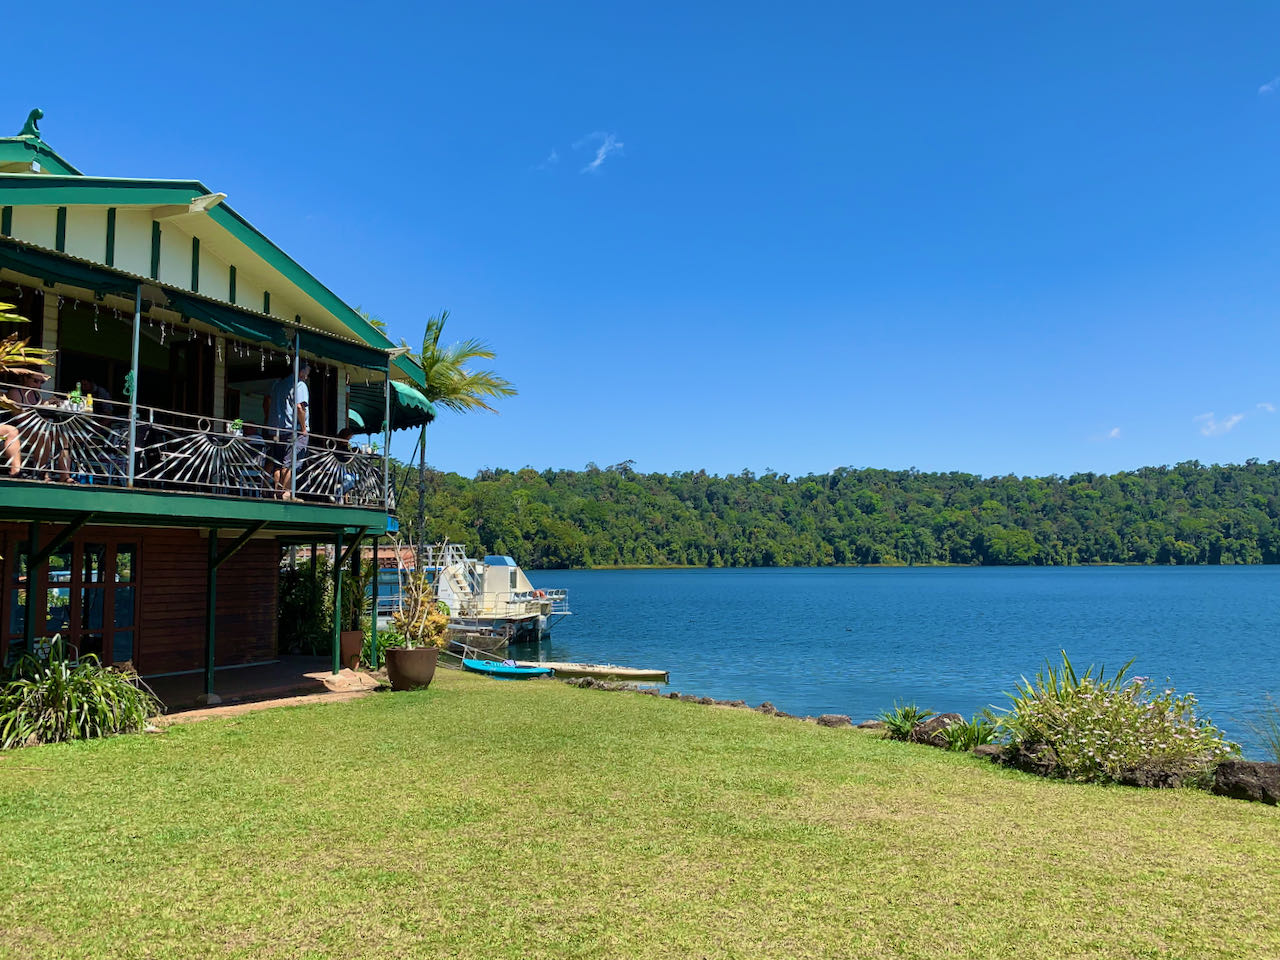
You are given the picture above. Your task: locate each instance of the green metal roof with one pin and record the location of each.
(67, 186)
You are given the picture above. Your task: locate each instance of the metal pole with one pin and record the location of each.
(133, 394)
(211, 614)
(293, 447)
(386, 453)
(337, 604)
(422, 489)
(29, 623)
(373, 623)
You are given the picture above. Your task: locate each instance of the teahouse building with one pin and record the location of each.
(155, 498)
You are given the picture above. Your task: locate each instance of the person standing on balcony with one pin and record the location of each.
(289, 402)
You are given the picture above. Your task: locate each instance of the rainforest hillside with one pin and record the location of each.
(1185, 514)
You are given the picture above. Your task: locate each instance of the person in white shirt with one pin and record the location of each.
(289, 403)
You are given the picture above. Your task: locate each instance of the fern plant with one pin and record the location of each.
(899, 722)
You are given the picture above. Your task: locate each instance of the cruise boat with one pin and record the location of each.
(491, 601)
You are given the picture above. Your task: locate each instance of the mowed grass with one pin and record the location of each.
(490, 819)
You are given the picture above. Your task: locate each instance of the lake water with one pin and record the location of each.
(853, 641)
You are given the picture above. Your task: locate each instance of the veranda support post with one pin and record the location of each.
(337, 603)
(386, 446)
(211, 616)
(293, 446)
(133, 379)
(373, 621)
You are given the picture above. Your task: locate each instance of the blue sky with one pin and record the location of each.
(1001, 238)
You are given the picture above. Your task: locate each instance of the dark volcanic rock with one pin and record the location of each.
(834, 720)
(930, 732)
(689, 698)
(673, 695)
(1248, 780)
(992, 751)
(706, 701)
(648, 691)
(871, 725)
(1153, 777)
(739, 704)
(1037, 758)
(767, 708)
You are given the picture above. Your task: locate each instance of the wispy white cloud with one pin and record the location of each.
(1211, 426)
(1271, 86)
(1113, 433)
(607, 144)
(1268, 407)
(552, 159)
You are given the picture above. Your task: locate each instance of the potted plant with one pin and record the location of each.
(75, 399)
(351, 631)
(421, 632)
(236, 427)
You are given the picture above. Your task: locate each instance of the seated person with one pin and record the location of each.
(101, 397)
(12, 444)
(345, 457)
(30, 393)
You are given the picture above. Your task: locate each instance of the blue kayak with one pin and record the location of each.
(509, 670)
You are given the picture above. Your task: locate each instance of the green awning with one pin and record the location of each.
(409, 408)
(229, 320)
(47, 266)
(355, 419)
(343, 351)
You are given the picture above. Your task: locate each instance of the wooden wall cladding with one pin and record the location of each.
(171, 595)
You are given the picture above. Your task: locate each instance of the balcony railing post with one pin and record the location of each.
(133, 377)
(293, 446)
(386, 446)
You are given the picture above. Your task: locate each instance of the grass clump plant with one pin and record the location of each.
(902, 719)
(967, 734)
(1267, 729)
(1104, 729)
(50, 701)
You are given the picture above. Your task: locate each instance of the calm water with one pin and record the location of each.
(855, 640)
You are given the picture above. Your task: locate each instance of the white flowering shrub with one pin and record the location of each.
(1101, 728)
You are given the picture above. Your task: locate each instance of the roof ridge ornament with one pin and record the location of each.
(32, 127)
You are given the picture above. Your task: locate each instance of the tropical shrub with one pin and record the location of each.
(305, 609)
(967, 734)
(1267, 729)
(55, 700)
(899, 722)
(1101, 729)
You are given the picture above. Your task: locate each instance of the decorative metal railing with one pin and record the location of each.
(68, 439)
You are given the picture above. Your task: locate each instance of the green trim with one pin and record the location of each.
(195, 264)
(117, 505)
(34, 150)
(231, 284)
(60, 233)
(44, 190)
(155, 249)
(111, 236)
(6, 221)
(40, 189)
(266, 302)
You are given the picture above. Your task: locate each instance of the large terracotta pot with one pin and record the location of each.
(411, 669)
(350, 644)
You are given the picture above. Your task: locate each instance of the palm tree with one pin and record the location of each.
(15, 356)
(454, 385)
(450, 382)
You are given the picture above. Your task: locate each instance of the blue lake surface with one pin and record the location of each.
(854, 641)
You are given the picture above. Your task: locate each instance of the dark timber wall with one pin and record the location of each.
(170, 595)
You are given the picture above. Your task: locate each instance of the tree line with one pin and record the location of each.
(1190, 513)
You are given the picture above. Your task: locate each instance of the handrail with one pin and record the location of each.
(73, 439)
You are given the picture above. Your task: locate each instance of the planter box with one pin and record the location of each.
(411, 669)
(350, 643)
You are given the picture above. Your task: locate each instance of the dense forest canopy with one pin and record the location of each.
(1185, 514)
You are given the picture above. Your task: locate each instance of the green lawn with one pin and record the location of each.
(483, 818)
